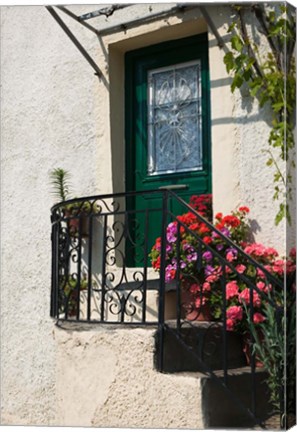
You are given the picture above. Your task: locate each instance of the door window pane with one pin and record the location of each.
(174, 120)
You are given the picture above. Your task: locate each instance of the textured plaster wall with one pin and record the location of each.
(48, 119)
(99, 382)
(240, 132)
(55, 112)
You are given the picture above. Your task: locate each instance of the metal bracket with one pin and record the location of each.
(152, 16)
(210, 23)
(73, 38)
(108, 11)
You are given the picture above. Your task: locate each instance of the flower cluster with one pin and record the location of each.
(202, 204)
(212, 265)
(240, 296)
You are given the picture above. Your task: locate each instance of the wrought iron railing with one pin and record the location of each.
(100, 270)
(101, 274)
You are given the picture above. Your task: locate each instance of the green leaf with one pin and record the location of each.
(229, 61)
(254, 90)
(277, 176)
(236, 43)
(231, 27)
(247, 75)
(269, 162)
(277, 106)
(237, 82)
(250, 63)
(280, 215)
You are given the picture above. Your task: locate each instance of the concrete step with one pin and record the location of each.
(228, 409)
(198, 346)
(99, 384)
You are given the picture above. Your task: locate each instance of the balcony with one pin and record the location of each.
(102, 274)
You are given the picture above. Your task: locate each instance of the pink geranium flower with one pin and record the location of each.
(200, 301)
(279, 267)
(240, 268)
(231, 289)
(258, 318)
(195, 288)
(259, 250)
(260, 273)
(230, 324)
(244, 296)
(261, 285)
(206, 286)
(234, 313)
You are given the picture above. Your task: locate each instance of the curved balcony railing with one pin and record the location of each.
(100, 266)
(100, 269)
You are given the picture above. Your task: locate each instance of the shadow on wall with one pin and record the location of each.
(255, 228)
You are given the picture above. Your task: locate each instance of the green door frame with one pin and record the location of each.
(136, 66)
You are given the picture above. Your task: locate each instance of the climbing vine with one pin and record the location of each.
(269, 77)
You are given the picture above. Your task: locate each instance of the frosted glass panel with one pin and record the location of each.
(174, 128)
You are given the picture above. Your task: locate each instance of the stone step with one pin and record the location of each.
(221, 408)
(198, 346)
(99, 384)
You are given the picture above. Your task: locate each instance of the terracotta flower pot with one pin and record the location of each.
(73, 224)
(191, 311)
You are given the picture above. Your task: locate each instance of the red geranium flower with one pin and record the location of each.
(244, 209)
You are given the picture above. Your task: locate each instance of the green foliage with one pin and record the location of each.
(274, 346)
(270, 78)
(59, 180)
(69, 292)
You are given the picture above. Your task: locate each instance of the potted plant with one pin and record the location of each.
(70, 292)
(74, 211)
(199, 270)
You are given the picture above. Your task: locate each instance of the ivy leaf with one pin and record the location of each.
(237, 82)
(247, 75)
(277, 176)
(236, 43)
(231, 27)
(281, 214)
(269, 162)
(229, 61)
(254, 90)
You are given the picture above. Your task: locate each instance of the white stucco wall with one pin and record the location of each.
(55, 112)
(240, 132)
(100, 384)
(48, 119)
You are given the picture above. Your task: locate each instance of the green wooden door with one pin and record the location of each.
(167, 124)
